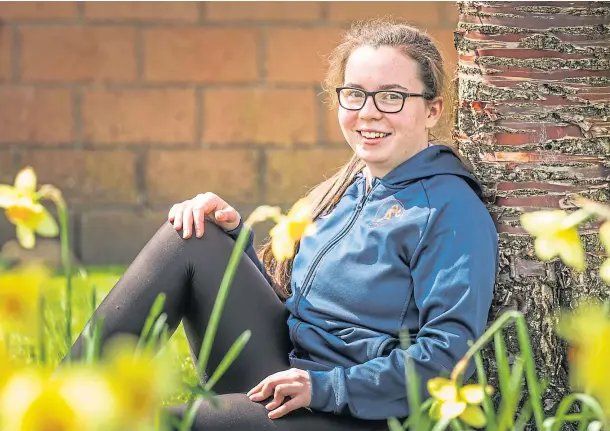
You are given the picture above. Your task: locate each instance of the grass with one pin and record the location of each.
(102, 279)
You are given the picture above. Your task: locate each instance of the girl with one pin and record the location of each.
(402, 241)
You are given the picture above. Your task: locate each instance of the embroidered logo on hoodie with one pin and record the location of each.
(389, 211)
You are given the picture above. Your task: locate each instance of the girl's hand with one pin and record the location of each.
(206, 205)
(293, 383)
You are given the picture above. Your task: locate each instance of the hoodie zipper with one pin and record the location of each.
(329, 245)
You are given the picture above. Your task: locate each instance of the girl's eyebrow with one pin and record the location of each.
(381, 87)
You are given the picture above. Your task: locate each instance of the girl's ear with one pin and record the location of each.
(435, 109)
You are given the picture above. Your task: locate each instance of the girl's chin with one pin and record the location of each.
(370, 155)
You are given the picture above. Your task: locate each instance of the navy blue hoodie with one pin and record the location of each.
(417, 251)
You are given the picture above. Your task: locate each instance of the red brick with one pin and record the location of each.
(292, 173)
(142, 11)
(262, 11)
(444, 42)
(116, 237)
(297, 55)
(201, 55)
(92, 177)
(139, 116)
(78, 54)
(173, 176)
(7, 175)
(331, 125)
(416, 13)
(260, 116)
(35, 115)
(14, 10)
(6, 49)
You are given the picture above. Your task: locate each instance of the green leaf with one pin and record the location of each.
(221, 298)
(411, 377)
(394, 424)
(189, 417)
(228, 359)
(154, 312)
(488, 406)
(511, 398)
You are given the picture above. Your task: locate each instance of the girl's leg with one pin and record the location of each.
(189, 273)
(237, 412)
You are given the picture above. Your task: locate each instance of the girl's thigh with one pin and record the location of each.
(237, 412)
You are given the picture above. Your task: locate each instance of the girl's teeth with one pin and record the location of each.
(372, 135)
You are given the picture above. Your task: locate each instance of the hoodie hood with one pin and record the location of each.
(434, 160)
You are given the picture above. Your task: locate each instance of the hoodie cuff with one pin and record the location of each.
(322, 390)
(234, 233)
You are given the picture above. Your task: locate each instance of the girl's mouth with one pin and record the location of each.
(372, 137)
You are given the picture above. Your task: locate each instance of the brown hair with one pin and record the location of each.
(376, 33)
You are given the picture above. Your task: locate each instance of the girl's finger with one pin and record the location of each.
(187, 221)
(284, 409)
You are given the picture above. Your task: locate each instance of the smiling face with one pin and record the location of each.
(382, 140)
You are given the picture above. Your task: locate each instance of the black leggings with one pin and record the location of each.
(189, 273)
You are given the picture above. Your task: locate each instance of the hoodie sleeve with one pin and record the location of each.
(453, 270)
(249, 250)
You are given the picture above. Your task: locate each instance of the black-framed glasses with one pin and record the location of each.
(387, 101)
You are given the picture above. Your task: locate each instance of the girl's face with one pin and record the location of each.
(404, 133)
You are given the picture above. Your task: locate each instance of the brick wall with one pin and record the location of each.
(130, 107)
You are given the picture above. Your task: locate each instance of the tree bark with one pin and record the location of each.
(533, 118)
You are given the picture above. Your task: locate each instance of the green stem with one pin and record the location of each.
(223, 291)
(64, 236)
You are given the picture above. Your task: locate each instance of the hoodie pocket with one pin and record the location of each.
(382, 346)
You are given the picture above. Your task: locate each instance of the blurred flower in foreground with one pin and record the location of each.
(290, 229)
(139, 382)
(587, 331)
(556, 233)
(6, 366)
(19, 298)
(23, 209)
(77, 400)
(452, 402)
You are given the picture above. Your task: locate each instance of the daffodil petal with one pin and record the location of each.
(604, 271)
(26, 236)
(300, 210)
(542, 222)
(570, 249)
(604, 235)
(25, 181)
(472, 394)
(8, 196)
(452, 409)
(546, 248)
(47, 226)
(474, 416)
(442, 389)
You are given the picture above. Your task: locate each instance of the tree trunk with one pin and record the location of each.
(533, 118)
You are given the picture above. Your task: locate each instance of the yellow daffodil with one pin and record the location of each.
(290, 229)
(139, 382)
(6, 365)
(76, 400)
(23, 209)
(19, 298)
(452, 402)
(587, 331)
(263, 213)
(556, 234)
